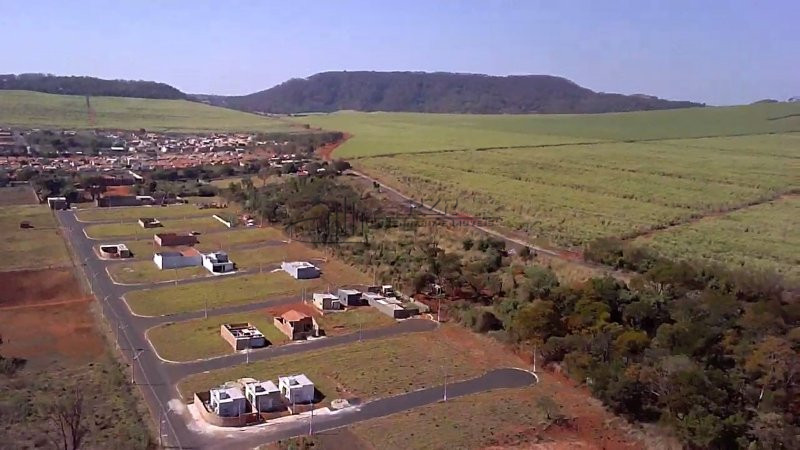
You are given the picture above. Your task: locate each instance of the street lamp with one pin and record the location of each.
(133, 364)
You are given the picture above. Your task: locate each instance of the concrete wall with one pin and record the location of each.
(200, 399)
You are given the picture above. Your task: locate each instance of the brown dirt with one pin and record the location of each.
(17, 195)
(326, 151)
(54, 333)
(299, 307)
(32, 287)
(118, 190)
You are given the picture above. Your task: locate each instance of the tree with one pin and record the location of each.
(67, 414)
(550, 409)
(774, 363)
(467, 244)
(539, 281)
(487, 321)
(631, 343)
(263, 175)
(536, 321)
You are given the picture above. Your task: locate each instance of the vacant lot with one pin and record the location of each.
(133, 229)
(391, 133)
(375, 368)
(220, 292)
(17, 195)
(570, 195)
(766, 236)
(133, 213)
(196, 339)
(40, 246)
(35, 109)
(30, 287)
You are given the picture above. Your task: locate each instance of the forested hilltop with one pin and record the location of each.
(69, 85)
(438, 93)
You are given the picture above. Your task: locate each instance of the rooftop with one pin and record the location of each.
(260, 387)
(296, 380)
(293, 315)
(298, 264)
(226, 393)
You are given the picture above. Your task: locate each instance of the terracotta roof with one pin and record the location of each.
(293, 315)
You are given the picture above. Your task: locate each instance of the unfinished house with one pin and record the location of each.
(296, 325)
(301, 270)
(174, 239)
(264, 396)
(175, 260)
(242, 336)
(149, 222)
(350, 297)
(115, 251)
(390, 306)
(297, 388)
(218, 262)
(327, 302)
(227, 401)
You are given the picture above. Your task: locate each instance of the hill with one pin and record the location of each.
(53, 84)
(34, 109)
(438, 93)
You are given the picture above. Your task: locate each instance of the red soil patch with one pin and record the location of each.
(31, 287)
(299, 307)
(326, 151)
(44, 334)
(118, 190)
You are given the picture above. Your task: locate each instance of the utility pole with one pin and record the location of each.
(205, 311)
(534, 359)
(160, 423)
(445, 382)
(176, 276)
(311, 419)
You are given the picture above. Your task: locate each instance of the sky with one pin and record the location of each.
(718, 52)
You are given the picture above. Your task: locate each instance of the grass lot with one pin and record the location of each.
(135, 212)
(572, 194)
(766, 236)
(108, 230)
(222, 291)
(245, 259)
(500, 415)
(350, 321)
(374, 368)
(391, 133)
(17, 195)
(35, 109)
(196, 339)
(39, 247)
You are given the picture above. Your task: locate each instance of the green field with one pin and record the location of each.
(37, 247)
(766, 236)
(572, 194)
(133, 229)
(196, 339)
(222, 291)
(390, 133)
(34, 109)
(135, 212)
(370, 369)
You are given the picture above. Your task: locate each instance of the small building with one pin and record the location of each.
(57, 202)
(297, 388)
(350, 297)
(390, 306)
(327, 302)
(264, 396)
(296, 325)
(174, 239)
(227, 401)
(301, 270)
(175, 260)
(218, 262)
(149, 222)
(115, 251)
(242, 336)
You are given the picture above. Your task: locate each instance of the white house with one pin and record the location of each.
(327, 302)
(227, 402)
(297, 388)
(264, 396)
(175, 260)
(300, 269)
(218, 262)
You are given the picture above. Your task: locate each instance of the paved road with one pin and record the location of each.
(157, 379)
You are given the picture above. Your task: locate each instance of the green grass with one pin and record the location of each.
(36, 248)
(573, 194)
(135, 212)
(350, 321)
(34, 109)
(222, 291)
(196, 339)
(133, 229)
(391, 133)
(140, 272)
(760, 237)
(370, 369)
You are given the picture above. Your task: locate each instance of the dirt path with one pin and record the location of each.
(45, 304)
(326, 151)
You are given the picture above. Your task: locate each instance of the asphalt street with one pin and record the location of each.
(157, 379)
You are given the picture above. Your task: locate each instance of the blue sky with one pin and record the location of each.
(714, 51)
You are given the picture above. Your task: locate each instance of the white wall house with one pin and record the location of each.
(227, 402)
(297, 388)
(327, 302)
(218, 262)
(264, 396)
(300, 269)
(176, 260)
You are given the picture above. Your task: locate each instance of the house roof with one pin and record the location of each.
(296, 380)
(293, 315)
